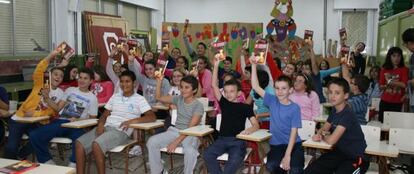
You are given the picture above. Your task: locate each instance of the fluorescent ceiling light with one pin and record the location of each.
(5, 1)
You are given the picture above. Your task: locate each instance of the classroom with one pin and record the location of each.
(207, 87)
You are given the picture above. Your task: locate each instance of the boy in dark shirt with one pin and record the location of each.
(234, 116)
(342, 131)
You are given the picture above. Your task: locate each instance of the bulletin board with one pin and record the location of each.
(233, 33)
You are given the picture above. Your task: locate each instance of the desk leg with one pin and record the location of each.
(262, 156)
(382, 165)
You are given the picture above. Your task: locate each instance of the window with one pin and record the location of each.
(110, 7)
(139, 18)
(90, 5)
(31, 23)
(356, 23)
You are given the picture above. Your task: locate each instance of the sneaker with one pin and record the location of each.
(135, 151)
(51, 162)
(72, 164)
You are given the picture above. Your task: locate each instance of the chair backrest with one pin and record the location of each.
(399, 120)
(403, 139)
(375, 103)
(371, 133)
(204, 101)
(307, 130)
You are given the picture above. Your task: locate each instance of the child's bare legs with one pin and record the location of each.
(80, 158)
(99, 157)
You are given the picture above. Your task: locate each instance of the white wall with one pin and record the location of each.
(307, 14)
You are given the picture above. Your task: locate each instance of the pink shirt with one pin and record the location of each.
(309, 104)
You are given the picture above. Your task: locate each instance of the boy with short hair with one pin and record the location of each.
(234, 115)
(359, 100)
(77, 103)
(342, 131)
(122, 109)
(40, 102)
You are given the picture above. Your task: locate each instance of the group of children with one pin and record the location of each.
(283, 95)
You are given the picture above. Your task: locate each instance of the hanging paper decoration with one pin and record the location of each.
(215, 30)
(234, 32)
(175, 31)
(224, 36)
(207, 32)
(243, 33)
(198, 35)
(282, 22)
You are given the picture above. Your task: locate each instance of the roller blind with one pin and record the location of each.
(90, 5)
(6, 29)
(130, 14)
(144, 19)
(110, 7)
(32, 22)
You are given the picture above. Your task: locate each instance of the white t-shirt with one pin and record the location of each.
(55, 95)
(174, 91)
(79, 104)
(125, 108)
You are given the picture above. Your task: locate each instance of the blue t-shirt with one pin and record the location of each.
(359, 105)
(352, 142)
(261, 108)
(3, 95)
(282, 119)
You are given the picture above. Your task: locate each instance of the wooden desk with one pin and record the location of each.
(260, 136)
(42, 169)
(317, 145)
(81, 123)
(198, 131)
(160, 106)
(29, 119)
(321, 119)
(379, 149)
(147, 126)
(15, 87)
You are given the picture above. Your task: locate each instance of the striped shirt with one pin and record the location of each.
(125, 108)
(359, 105)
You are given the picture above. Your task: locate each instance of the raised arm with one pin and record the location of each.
(135, 67)
(167, 99)
(315, 68)
(255, 83)
(214, 83)
(188, 46)
(345, 73)
(110, 71)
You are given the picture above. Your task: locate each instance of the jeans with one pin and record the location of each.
(235, 148)
(16, 130)
(276, 154)
(40, 138)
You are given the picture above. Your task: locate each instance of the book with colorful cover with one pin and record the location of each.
(66, 51)
(343, 35)
(19, 167)
(220, 47)
(308, 35)
(160, 67)
(260, 51)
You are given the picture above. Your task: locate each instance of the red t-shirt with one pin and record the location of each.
(393, 94)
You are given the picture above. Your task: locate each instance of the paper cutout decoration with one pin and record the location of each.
(207, 31)
(246, 43)
(243, 33)
(282, 24)
(234, 32)
(224, 36)
(294, 51)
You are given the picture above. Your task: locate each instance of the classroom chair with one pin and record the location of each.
(372, 134)
(403, 120)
